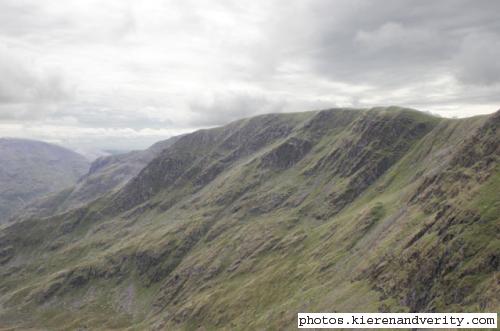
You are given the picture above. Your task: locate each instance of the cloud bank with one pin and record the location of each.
(123, 74)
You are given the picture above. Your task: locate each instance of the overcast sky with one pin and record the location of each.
(123, 74)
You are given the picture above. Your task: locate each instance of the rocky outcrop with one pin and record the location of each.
(286, 154)
(200, 157)
(439, 276)
(376, 142)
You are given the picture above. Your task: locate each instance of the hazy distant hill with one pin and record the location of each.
(241, 227)
(107, 174)
(30, 169)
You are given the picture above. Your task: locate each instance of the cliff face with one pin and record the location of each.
(242, 226)
(452, 256)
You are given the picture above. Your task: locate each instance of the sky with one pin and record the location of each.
(122, 74)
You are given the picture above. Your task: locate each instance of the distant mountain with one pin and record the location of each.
(30, 169)
(242, 226)
(106, 175)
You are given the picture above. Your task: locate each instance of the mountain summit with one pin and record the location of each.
(242, 226)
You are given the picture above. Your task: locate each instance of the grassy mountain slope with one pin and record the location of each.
(30, 169)
(241, 227)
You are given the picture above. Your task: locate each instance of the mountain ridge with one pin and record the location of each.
(241, 227)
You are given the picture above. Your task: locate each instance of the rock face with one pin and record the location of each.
(434, 276)
(30, 169)
(196, 159)
(243, 226)
(286, 154)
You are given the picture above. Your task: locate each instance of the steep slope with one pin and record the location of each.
(106, 174)
(30, 169)
(241, 227)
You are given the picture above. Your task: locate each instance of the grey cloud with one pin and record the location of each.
(224, 108)
(172, 65)
(24, 18)
(478, 60)
(88, 115)
(77, 22)
(397, 41)
(26, 92)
